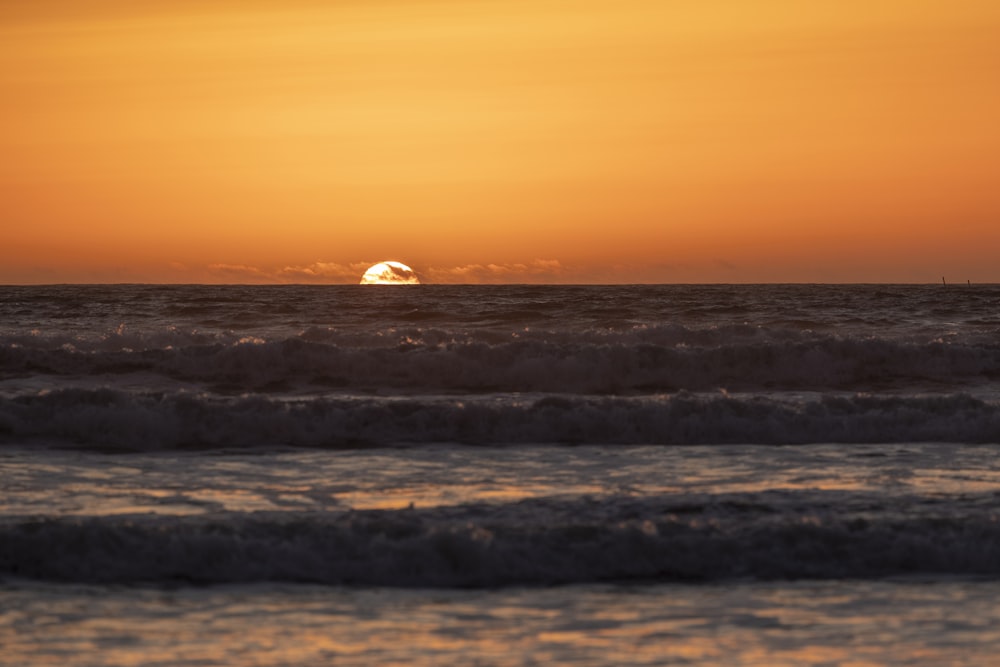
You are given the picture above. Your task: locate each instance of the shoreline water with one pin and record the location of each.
(951, 622)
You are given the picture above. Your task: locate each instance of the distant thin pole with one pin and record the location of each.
(943, 282)
(970, 282)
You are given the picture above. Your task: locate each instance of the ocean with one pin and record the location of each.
(499, 475)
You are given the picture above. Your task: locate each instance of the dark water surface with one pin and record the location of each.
(646, 474)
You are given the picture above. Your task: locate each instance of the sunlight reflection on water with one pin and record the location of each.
(781, 623)
(432, 477)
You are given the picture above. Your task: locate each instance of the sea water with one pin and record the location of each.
(428, 474)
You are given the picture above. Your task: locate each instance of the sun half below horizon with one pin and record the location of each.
(637, 141)
(389, 273)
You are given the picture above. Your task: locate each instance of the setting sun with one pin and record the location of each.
(389, 273)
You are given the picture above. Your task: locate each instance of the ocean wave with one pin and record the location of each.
(524, 543)
(109, 419)
(593, 363)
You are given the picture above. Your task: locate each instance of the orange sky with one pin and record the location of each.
(500, 140)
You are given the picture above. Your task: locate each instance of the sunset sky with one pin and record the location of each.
(500, 140)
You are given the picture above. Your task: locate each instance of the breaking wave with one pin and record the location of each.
(120, 420)
(645, 361)
(533, 542)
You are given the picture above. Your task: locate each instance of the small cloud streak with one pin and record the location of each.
(238, 273)
(537, 271)
(323, 272)
(317, 272)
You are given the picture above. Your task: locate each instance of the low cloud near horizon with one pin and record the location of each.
(536, 271)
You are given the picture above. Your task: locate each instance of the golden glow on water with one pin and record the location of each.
(324, 481)
(781, 624)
